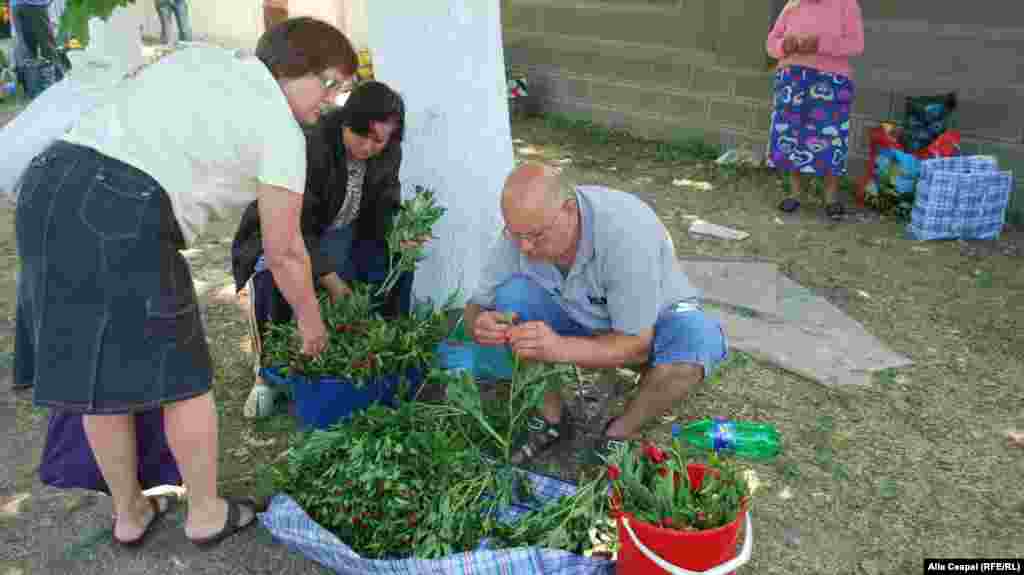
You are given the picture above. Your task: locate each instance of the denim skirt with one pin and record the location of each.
(107, 311)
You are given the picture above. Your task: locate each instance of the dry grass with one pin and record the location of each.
(872, 479)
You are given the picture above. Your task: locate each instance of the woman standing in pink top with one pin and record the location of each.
(813, 41)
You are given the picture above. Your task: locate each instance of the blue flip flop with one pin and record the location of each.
(789, 205)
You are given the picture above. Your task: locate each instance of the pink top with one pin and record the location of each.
(836, 23)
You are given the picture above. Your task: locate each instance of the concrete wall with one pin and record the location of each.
(668, 69)
(662, 68)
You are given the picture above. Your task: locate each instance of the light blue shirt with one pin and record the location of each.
(625, 273)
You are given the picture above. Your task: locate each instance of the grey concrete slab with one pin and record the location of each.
(772, 317)
(736, 283)
(831, 357)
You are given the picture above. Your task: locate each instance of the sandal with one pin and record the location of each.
(231, 525)
(158, 514)
(541, 436)
(605, 446)
(835, 211)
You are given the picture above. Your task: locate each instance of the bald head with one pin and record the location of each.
(531, 189)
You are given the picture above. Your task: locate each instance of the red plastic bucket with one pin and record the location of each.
(648, 549)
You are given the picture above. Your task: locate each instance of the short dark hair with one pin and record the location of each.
(301, 46)
(374, 102)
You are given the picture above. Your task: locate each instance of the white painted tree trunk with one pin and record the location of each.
(445, 57)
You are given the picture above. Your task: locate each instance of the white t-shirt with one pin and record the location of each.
(207, 125)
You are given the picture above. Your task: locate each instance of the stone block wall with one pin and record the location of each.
(672, 69)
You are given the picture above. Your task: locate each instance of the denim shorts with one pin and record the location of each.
(108, 319)
(683, 333)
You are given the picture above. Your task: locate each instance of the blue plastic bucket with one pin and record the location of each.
(322, 402)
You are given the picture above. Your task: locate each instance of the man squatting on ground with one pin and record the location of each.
(592, 277)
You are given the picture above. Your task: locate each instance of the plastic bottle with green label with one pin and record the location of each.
(740, 438)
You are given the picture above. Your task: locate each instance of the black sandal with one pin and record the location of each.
(158, 514)
(231, 525)
(541, 436)
(835, 211)
(605, 446)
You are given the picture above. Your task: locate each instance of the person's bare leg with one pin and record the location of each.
(192, 435)
(796, 184)
(112, 439)
(661, 388)
(831, 189)
(551, 411)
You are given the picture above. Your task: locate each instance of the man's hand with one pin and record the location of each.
(536, 340)
(314, 336)
(491, 328)
(790, 44)
(809, 45)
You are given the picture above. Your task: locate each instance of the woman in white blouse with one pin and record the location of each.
(102, 215)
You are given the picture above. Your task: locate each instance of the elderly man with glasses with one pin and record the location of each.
(590, 277)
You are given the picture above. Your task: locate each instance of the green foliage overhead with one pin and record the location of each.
(74, 22)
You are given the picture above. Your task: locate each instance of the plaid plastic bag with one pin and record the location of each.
(961, 197)
(290, 525)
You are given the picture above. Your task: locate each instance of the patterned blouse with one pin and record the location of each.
(350, 209)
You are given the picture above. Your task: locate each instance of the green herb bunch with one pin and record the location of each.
(391, 482)
(361, 344)
(530, 380)
(576, 523)
(413, 222)
(406, 481)
(653, 485)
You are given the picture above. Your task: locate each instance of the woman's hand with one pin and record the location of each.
(414, 244)
(335, 286)
(808, 45)
(314, 335)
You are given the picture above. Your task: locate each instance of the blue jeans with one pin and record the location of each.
(682, 333)
(353, 260)
(180, 10)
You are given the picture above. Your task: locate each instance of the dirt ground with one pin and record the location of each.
(871, 479)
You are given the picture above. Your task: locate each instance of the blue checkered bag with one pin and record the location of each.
(290, 525)
(961, 197)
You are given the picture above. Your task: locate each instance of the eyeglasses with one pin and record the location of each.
(533, 237)
(328, 83)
